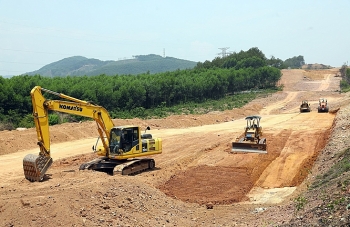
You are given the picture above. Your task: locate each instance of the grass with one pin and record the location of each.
(332, 188)
(300, 203)
(335, 171)
(344, 86)
(227, 103)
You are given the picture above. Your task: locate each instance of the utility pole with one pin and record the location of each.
(223, 51)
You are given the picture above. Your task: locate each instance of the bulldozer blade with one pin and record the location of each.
(35, 166)
(248, 148)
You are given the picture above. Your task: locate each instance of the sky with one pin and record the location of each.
(39, 32)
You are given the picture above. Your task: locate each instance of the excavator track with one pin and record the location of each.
(35, 166)
(123, 167)
(135, 166)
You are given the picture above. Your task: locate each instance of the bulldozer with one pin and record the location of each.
(305, 106)
(121, 145)
(252, 141)
(322, 106)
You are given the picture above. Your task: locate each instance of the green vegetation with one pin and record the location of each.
(344, 86)
(295, 62)
(299, 203)
(345, 82)
(334, 184)
(209, 86)
(253, 58)
(332, 188)
(81, 66)
(337, 170)
(226, 103)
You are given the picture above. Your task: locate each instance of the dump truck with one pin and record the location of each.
(121, 145)
(252, 141)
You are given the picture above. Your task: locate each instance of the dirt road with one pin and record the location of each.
(195, 169)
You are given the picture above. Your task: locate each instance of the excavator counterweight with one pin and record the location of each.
(251, 142)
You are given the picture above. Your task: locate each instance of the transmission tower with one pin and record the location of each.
(223, 51)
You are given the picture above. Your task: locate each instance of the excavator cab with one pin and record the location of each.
(252, 140)
(123, 140)
(126, 143)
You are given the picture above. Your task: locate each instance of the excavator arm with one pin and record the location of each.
(35, 166)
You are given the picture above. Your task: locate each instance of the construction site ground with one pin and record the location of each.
(197, 181)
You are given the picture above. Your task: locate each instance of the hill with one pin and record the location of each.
(316, 66)
(80, 66)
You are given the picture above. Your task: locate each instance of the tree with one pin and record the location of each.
(295, 62)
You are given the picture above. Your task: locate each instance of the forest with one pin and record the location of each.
(134, 94)
(345, 74)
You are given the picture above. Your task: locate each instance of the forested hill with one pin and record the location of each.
(80, 66)
(146, 94)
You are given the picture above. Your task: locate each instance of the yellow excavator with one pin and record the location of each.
(121, 145)
(252, 141)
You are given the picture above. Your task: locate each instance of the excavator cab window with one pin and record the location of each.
(135, 141)
(127, 142)
(116, 140)
(124, 139)
(130, 138)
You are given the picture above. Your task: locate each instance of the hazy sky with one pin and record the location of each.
(34, 33)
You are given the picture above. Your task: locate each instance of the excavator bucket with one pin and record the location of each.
(35, 166)
(248, 147)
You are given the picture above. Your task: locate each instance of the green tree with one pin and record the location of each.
(295, 62)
